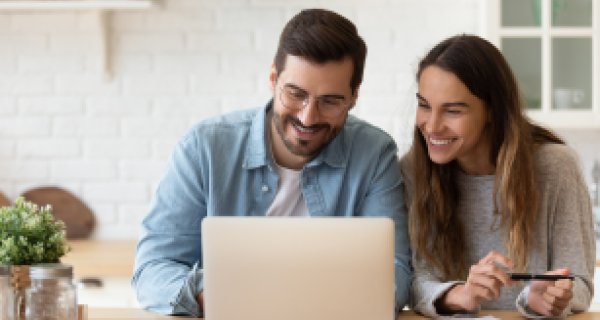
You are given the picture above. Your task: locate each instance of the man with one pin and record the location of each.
(300, 155)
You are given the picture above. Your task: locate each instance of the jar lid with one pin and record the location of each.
(4, 270)
(50, 271)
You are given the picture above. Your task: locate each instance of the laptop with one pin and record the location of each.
(286, 268)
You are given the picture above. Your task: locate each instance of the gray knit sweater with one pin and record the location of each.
(564, 233)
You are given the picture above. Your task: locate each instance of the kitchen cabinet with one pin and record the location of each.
(552, 47)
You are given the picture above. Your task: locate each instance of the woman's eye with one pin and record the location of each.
(454, 111)
(424, 106)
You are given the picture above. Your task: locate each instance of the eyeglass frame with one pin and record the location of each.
(306, 102)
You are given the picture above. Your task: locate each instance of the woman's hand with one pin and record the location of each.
(485, 282)
(550, 298)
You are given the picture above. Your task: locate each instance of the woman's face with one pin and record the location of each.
(453, 122)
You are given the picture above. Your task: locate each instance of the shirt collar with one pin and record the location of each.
(257, 153)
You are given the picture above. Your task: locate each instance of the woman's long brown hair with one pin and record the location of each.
(435, 230)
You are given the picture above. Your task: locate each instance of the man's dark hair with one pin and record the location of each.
(320, 36)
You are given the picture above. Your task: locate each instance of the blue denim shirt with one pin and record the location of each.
(222, 167)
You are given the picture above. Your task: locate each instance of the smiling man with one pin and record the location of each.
(300, 155)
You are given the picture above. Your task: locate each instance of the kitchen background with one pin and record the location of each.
(106, 136)
(107, 141)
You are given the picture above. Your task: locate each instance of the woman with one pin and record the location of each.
(491, 193)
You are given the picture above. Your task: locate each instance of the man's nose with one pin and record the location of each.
(309, 115)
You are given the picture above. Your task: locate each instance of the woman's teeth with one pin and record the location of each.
(440, 142)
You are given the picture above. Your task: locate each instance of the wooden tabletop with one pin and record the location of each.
(138, 314)
(91, 258)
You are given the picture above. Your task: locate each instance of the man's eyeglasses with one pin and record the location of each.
(328, 106)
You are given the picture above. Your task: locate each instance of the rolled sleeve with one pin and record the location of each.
(168, 275)
(185, 302)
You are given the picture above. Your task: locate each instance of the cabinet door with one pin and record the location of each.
(525, 58)
(553, 48)
(519, 13)
(571, 73)
(571, 13)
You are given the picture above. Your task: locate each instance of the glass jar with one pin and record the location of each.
(51, 296)
(7, 303)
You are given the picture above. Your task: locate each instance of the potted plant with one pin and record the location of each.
(29, 235)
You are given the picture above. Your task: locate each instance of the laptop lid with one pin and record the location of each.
(271, 268)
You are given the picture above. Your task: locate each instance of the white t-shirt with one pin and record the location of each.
(289, 200)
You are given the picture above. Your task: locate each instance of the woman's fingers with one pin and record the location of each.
(475, 294)
(560, 292)
(493, 285)
(486, 279)
(493, 270)
(497, 257)
(564, 284)
(555, 301)
(550, 309)
(550, 298)
(559, 296)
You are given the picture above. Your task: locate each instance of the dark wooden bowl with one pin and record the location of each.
(78, 218)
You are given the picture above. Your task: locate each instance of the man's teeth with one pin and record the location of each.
(303, 129)
(440, 142)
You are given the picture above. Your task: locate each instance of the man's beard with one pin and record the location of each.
(300, 148)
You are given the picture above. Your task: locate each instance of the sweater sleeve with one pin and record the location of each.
(427, 288)
(571, 233)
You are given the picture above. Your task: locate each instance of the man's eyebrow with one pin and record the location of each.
(420, 97)
(333, 95)
(293, 86)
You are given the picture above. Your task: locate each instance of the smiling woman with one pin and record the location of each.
(482, 183)
(453, 121)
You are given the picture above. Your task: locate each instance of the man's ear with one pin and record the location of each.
(272, 78)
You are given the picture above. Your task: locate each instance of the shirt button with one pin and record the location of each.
(265, 188)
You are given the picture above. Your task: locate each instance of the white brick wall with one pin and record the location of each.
(108, 142)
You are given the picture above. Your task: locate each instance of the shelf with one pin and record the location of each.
(76, 4)
(564, 119)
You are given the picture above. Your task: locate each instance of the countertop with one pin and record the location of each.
(91, 258)
(138, 314)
